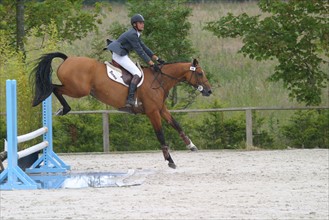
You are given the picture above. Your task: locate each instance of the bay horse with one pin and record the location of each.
(82, 76)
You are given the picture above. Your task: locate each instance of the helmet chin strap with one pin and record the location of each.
(135, 27)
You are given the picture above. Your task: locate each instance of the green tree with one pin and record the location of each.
(295, 32)
(20, 31)
(12, 67)
(21, 17)
(22, 25)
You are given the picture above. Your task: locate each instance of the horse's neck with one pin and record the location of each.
(175, 73)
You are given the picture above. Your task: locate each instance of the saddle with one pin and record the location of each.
(120, 75)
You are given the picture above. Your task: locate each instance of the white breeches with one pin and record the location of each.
(127, 63)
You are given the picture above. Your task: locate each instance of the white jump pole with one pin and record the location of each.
(27, 137)
(32, 135)
(33, 149)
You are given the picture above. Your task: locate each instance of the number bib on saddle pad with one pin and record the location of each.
(116, 75)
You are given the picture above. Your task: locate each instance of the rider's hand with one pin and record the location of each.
(156, 68)
(160, 61)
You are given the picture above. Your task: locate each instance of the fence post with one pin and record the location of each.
(249, 142)
(106, 143)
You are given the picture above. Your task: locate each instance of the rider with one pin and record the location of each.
(128, 41)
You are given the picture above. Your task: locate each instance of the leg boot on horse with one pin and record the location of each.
(166, 155)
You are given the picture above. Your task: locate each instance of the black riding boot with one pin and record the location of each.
(131, 92)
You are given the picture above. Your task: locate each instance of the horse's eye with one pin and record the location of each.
(200, 74)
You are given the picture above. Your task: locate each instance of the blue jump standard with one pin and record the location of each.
(13, 177)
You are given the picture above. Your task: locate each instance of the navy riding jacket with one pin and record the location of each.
(129, 41)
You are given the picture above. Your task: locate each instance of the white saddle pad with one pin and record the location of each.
(116, 74)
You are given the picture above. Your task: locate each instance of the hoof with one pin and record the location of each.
(194, 149)
(172, 165)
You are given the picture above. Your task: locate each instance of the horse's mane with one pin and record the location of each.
(174, 62)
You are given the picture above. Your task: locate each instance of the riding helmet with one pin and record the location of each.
(136, 18)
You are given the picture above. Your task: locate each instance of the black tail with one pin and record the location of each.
(40, 77)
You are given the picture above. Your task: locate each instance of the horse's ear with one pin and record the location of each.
(195, 62)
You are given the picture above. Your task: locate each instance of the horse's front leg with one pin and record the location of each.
(168, 117)
(155, 119)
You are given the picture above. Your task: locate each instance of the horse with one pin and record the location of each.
(83, 76)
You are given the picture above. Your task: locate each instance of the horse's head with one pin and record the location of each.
(198, 79)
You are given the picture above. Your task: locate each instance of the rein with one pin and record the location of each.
(169, 76)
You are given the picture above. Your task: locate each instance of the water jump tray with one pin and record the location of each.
(76, 180)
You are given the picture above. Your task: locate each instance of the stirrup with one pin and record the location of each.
(130, 103)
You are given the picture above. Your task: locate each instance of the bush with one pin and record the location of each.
(131, 133)
(308, 129)
(220, 133)
(78, 133)
(261, 137)
(230, 133)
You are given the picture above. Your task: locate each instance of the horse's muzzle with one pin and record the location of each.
(206, 92)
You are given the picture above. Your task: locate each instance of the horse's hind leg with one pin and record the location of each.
(168, 117)
(66, 108)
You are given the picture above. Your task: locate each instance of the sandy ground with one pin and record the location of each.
(289, 184)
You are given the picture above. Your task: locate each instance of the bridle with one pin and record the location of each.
(197, 75)
(199, 85)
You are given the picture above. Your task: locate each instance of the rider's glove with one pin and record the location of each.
(160, 61)
(156, 68)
